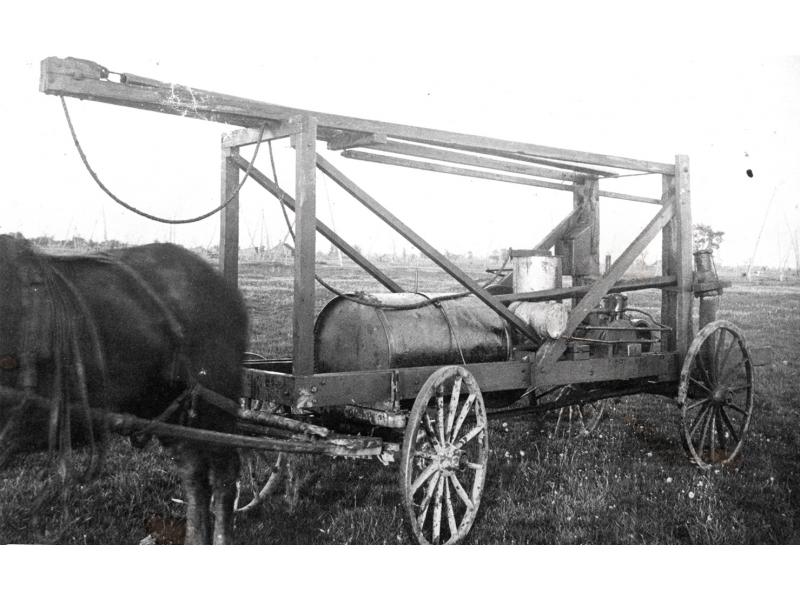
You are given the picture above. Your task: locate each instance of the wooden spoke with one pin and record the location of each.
(699, 418)
(728, 378)
(424, 476)
(468, 436)
(437, 510)
(693, 405)
(728, 424)
(451, 515)
(426, 499)
(440, 417)
(431, 459)
(462, 416)
(693, 380)
(451, 409)
(460, 491)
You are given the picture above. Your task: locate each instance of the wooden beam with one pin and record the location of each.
(550, 163)
(684, 328)
(424, 247)
(623, 285)
(607, 194)
(243, 137)
(668, 268)
(229, 218)
(426, 166)
(305, 144)
(476, 161)
(328, 233)
(72, 77)
(344, 140)
(551, 351)
(586, 259)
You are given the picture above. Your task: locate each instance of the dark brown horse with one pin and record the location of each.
(126, 331)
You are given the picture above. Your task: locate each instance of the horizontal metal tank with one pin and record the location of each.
(355, 337)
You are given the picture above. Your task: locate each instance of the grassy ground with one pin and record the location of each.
(628, 483)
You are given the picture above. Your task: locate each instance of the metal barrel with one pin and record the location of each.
(354, 337)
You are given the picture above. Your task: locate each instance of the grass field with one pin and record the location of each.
(630, 482)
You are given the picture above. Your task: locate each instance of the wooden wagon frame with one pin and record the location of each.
(381, 397)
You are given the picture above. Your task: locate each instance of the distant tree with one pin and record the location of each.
(706, 238)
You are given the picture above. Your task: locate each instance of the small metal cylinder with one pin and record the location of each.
(535, 270)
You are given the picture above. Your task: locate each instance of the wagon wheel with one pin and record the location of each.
(444, 457)
(260, 472)
(716, 394)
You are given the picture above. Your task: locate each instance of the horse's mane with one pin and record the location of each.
(56, 322)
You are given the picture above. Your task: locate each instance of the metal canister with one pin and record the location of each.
(356, 337)
(535, 270)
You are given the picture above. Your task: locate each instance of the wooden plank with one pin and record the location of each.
(668, 257)
(608, 194)
(424, 247)
(426, 166)
(551, 351)
(346, 140)
(586, 259)
(684, 328)
(474, 160)
(550, 163)
(328, 233)
(68, 77)
(616, 368)
(623, 285)
(246, 136)
(305, 248)
(229, 219)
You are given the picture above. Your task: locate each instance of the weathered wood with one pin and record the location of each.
(305, 248)
(550, 352)
(624, 285)
(684, 328)
(451, 170)
(549, 163)
(328, 233)
(616, 368)
(70, 77)
(475, 160)
(669, 242)
(244, 137)
(437, 257)
(620, 196)
(586, 260)
(229, 218)
(126, 424)
(346, 140)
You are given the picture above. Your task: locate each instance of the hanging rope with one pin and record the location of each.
(141, 213)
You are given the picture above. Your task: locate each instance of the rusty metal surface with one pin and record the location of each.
(356, 337)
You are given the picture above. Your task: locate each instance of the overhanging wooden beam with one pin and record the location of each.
(424, 247)
(474, 160)
(551, 351)
(328, 233)
(87, 80)
(243, 137)
(426, 166)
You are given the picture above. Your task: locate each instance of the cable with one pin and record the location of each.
(141, 212)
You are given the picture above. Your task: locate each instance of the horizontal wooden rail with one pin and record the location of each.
(90, 81)
(620, 196)
(426, 166)
(624, 285)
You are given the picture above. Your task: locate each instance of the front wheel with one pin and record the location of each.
(444, 457)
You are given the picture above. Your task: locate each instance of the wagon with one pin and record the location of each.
(414, 378)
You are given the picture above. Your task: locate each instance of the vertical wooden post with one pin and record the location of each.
(676, 259)
(586, 259)
(305, 144)
(229, 218)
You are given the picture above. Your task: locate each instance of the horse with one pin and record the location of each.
(134, 331)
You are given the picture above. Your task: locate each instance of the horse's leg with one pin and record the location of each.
(224, 470)
(193, 470)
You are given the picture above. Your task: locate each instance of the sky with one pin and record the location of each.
(721, 85)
